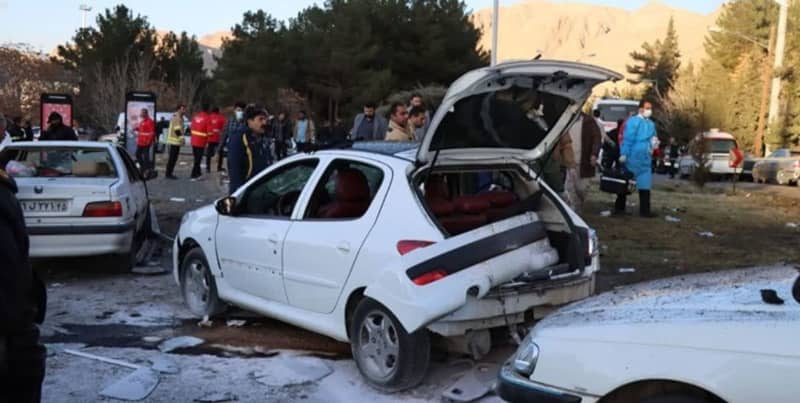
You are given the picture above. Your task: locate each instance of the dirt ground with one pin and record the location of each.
(749, 229)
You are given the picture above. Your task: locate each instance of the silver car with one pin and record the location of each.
(781, 167)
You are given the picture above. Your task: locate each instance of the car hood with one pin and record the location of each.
(717, 311)
(511, 110)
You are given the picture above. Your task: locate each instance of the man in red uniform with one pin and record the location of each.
(144, 140)
(200, 130)
(216, 123)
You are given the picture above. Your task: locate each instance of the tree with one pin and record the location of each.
(658, 64)
(24, 75)
(178, 56)
(739, 19)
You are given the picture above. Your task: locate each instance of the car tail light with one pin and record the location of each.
(103, 209)
(429, 277)
(406, 246)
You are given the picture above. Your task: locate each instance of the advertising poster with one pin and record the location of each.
(134, 103)
(61, 103)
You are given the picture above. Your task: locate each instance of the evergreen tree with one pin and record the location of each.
(658, 64)
(178, 55)
(740, 19)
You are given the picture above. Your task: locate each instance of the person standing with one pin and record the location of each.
(636, 155)
(417, 122)
(15, 129)
(200, 129)
(234, 127)
(417, 102)
(216, 123)
(674, 152)
(281, 133)
(24, 300)
(248, 152)
(28, 129)
(175, 140)
(398, 124)
(367, 126)
(304, 131)
(5, 138)
(145, 136)
(586, 142)
(57, 130)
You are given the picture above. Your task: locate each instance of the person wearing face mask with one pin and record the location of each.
(248, 152)
(636, 155)
(233, 127)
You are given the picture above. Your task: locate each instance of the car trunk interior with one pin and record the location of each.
(462, 199)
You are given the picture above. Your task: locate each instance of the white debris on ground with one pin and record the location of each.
(627, 270)
(289, 371)
(177, 199)
(179, 342)
(605, 213)
(792, 225)
(706, 234)
(670, 218)
(235, 323)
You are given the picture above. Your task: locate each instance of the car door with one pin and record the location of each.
(250, 241)
(135, 196)
(324, 242)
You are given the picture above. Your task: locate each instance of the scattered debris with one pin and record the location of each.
(473, 385)
(162, 363)
(199, 200)
(135, 386)
(217, 397)
(747, 195)
(149, 270)
(679, 210)
(180, 342)
(706, 234)
(56, 285)
(793, 225)
(206, 322)
(771, 297)
(670, 218)
(605, 213)
(627, 270)
(182, 163)
(293, 371)
(152, 339)
(235, 323)
(177, 199)
(101, 359)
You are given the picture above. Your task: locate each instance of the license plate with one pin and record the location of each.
(44, 206)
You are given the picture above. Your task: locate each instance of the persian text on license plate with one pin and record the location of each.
(44, 206)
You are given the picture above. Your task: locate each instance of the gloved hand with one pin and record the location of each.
(622, 159)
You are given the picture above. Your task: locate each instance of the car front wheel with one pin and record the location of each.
(388, 357)
(198, 286)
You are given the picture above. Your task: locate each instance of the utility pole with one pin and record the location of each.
(780, 49)
(758, 143)
(85, 8)
(495, 19)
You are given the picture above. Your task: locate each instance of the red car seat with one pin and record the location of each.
(352, 196)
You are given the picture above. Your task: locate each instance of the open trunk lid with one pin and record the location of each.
(511, 110)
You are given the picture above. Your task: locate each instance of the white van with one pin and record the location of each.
(612, 110)
(717, 146)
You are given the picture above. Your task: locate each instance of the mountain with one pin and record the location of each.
(595, 34)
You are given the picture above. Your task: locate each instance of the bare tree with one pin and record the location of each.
(188, 88)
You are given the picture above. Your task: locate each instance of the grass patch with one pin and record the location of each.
(749, 230)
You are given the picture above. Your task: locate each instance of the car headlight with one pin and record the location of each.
(594, 244)
(526, 356)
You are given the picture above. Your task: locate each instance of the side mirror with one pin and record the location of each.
(226, 205)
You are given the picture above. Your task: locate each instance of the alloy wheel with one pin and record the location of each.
(379, 345)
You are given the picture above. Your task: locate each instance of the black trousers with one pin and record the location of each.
(673, 169)
(220, 157)
(211, 150)
(143, 157)
(198, 153)
(22, 365)
(174, 150)
(280, 149)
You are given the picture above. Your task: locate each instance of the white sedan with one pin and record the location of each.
(385, 245)
(80, 199)
(697, 339)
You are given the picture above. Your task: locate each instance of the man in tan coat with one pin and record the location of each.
(398, 124)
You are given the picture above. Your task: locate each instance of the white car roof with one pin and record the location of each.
(79, 144)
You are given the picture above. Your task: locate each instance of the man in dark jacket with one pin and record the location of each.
(248, 152)
(22, 303)
(586, 141)
(57, 130)
(281, 132)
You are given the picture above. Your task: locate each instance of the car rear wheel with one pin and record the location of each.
(675, 399)
(782, 178)
(198, 286)
(388, 357)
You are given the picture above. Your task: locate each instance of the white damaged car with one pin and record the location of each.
(709, 338)
(383, 244)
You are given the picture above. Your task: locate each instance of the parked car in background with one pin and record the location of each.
(453, 236)
(612, 110)
(747, 166)
(701, 339)
(782, 166)
(81, 199)
(717, 146)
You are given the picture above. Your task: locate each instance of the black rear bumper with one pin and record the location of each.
(516, 389)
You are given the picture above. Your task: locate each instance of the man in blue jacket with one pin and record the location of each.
(248, 152)
(636, 153)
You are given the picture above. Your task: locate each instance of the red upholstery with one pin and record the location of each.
(352, 196)
(441, 207)
(471, 204)
(436, 188)
(462, 223)
(499, 198)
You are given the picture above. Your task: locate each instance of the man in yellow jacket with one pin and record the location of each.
(398, 124)
(175, 139)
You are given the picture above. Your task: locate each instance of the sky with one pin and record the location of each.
(46, 26)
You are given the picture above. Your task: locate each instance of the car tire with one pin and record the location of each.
(674, 399)
(782, 178)
(388, 357)
(198, 288)
(129, 260)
